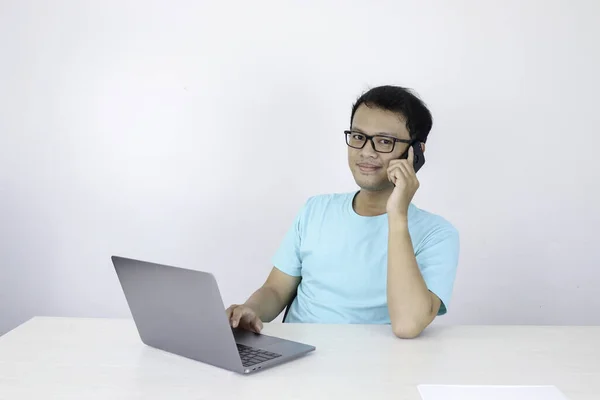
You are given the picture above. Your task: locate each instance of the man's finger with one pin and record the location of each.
(229, 311)
(248, 321)
(391, 175)
(398, 172)
(236, 316)
(258, 325)
(411, 155)
(407, 171)
(393, 164)
(250, 324)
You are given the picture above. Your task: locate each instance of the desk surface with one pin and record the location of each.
(71, 358)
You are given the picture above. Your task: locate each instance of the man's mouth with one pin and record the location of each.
(368, 167)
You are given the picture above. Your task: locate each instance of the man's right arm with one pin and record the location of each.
(280, 287)
(266, 303)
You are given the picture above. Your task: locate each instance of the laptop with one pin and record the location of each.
(181, 311)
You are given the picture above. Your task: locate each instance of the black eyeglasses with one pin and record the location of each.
(380, 143)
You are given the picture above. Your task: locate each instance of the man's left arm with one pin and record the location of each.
(415, 292)
(411, 305)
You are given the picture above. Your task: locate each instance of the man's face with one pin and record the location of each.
(368, 166)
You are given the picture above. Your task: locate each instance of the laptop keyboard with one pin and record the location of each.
(251, 356)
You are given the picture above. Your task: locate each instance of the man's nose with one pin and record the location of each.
(368, 149)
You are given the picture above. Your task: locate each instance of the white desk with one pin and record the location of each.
(64, 358)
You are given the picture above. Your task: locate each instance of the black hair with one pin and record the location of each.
(402, 101)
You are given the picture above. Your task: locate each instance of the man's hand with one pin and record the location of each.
(266, 303)
(402, 174)
(244, 317)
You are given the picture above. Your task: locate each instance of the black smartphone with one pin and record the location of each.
(419, 156)
(419, 159)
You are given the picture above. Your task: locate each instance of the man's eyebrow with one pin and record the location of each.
(357, 129)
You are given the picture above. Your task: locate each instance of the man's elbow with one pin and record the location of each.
(407, 329)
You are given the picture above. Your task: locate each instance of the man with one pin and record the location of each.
(371, 256)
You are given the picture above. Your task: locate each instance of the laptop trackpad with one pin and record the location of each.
(253, 339)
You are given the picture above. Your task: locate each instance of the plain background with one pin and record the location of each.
(191, 132)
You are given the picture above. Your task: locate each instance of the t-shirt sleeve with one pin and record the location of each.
(438, 261)
(287, 257)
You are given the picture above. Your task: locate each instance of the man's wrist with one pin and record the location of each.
(252, 305)
(398, 221)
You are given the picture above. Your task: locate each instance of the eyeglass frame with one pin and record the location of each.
(371, 137)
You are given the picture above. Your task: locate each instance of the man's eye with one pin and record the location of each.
(357, 136)
(385, 141)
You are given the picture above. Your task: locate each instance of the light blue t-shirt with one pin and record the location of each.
(342, 259)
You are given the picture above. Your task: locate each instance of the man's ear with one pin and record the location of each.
(423, 147)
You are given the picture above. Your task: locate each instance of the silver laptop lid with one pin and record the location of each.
(178, 310)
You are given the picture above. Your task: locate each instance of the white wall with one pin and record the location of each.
(167, 130)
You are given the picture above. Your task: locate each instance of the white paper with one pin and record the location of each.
(460, 392)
